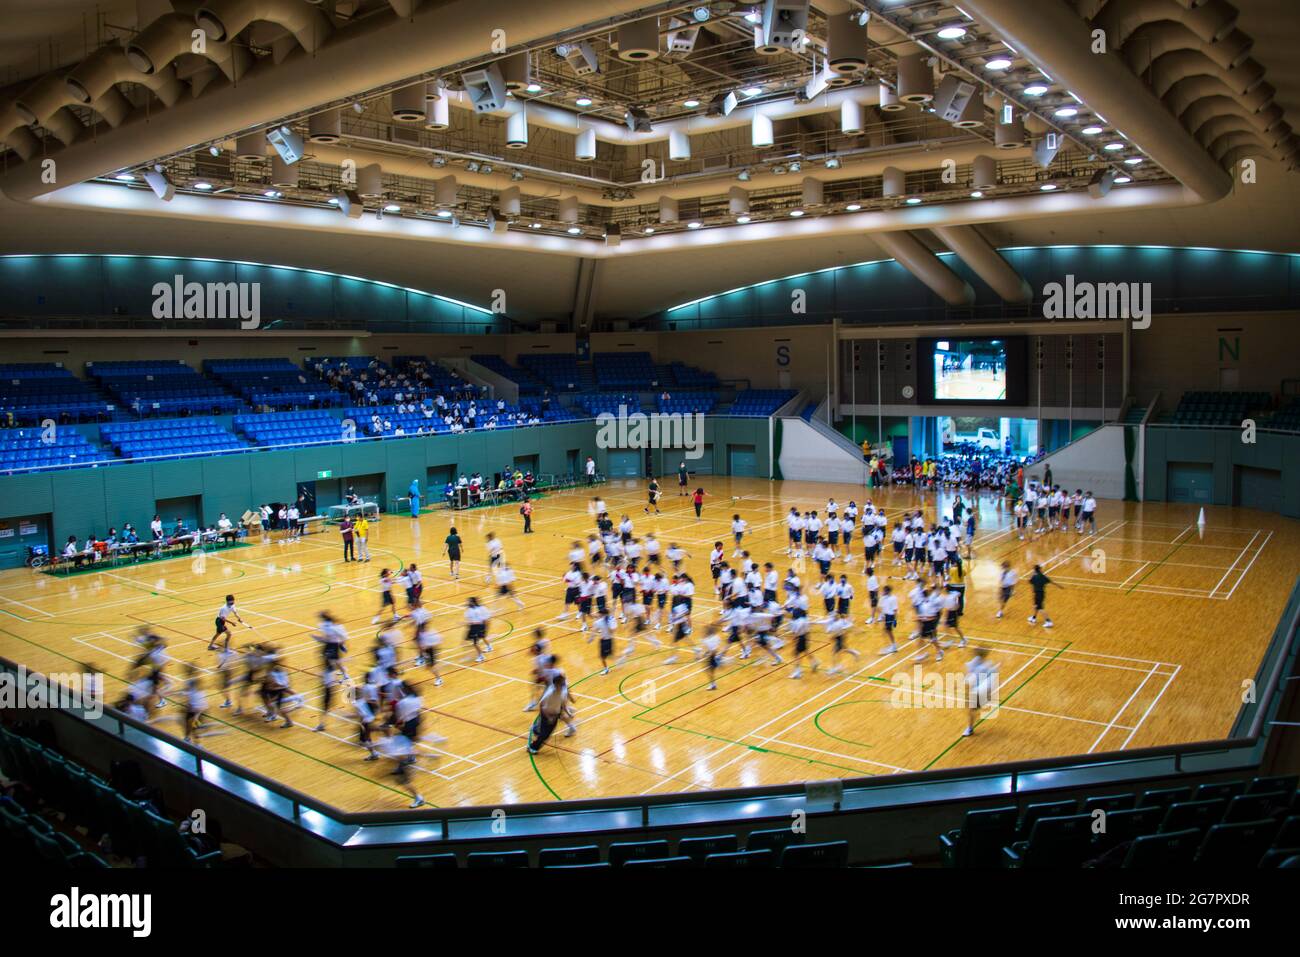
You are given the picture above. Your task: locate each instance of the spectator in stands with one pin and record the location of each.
(155, 528)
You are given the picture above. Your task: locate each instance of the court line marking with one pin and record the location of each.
(1151, 707)
(1122, 709)
(1242, 576)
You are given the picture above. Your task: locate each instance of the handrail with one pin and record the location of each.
(1280, 651)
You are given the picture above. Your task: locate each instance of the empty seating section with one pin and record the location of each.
(291, 428)
(689, 377)
(686, 402)
(1230, 824)
(161, 388)
(552, 412)
(528, 383)
(760, 402)
(35, 448)
(560, 372)
(1217, 408)
(625, 370)
(1286, 418)
(609, 403)
(170, 438)
(33, 392)
(273, 383)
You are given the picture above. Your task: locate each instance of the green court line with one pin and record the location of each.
(1157, 565)
(532, 759)
(817, 719)
(959, 740)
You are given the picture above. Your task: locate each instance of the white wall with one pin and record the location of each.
(1094, 462)
(808, 455)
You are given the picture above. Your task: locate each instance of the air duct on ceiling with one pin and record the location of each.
(408, 103)
(1009, 136)
(984, 172)
(679, 145)
(370, 180)
(155, 47)
(1210, 22)
(638, 40)
(985, 261)
(1181, 64)
(510, 201)
(737, 201)
(283, 175)
(223, 20)
(325, 127)
(517, 127)
(250, 146)
(913, 256)
(109, 66)
(446, 193)
(667, 209)
(846, 44)
(915, 79)
(584, 144)
(437, 111)
(517, 71)
(893, 182)
(813, 192)
(761, 133)
(889, 100)
(568, 211)
(851, 117)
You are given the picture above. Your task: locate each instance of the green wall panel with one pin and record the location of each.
(227, 487)
(178, 479)
(28, 495)
(79, 504)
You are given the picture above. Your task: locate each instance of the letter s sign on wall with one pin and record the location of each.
(782, 356)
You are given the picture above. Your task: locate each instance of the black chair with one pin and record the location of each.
(1287, 783)
(1113, 802)
(1277, 856)
(1175, 849)
(1059, 842)
(1254, 807)
(740, 860)
(1184, 814)
(1035, 811)
(496, 860)
(626, 852)
(436, 862)
(825, 855)
(698, 848)
(669, 863)
(775, 840)
(568, 856)
(593, 866)
(1221, 789)
(980, 839)
(1236, 845)
(1288, 835)
(1163, 797)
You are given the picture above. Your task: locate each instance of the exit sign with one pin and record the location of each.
(324, 475)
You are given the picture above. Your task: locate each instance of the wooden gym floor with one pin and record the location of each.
(1155, 635)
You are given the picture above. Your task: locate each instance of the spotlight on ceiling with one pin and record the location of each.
(976, 194)
(833, 163)
(796, 213)
(534, 225)
(722, 104)
(1121, 180)
(752, 91)
(472, 166)
(638, 120)
(272, 193)
(583, 101)
(742, 219)
(778, 169)
(796, 166)
(533, 88)
(1047, 187)
(1035, 89)
(214, 150)
(691, 103)
(392, 208)
(701, 14)
(1066, 112)
(202, 185)
(694, 224)
(1113, 147)
(286, 142)
(443, 214)
(913, 200)
(1091, 130)
(574, 230)
(1133, 161)
(954, 31)
(649, 230)
(516, 175)
(743, 176)
(438, 162)
(125, 177)
(158, 182)
(998, 63)
(853, 207)
(1101, 182)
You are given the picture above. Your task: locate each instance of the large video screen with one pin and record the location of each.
(973, 371)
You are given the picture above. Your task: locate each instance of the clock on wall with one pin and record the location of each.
(907, 392)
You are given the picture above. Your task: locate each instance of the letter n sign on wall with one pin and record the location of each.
(1230, 350)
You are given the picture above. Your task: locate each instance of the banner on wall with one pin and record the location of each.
(27, 528)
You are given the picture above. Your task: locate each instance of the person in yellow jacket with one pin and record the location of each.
(361, 530)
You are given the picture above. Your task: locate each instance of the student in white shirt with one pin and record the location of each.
(738, 526)
(889, 615)
(1007, 584)
(981, 687)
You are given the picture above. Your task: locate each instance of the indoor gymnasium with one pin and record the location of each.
(610, 435)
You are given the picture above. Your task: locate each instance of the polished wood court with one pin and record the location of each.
(1158, 624)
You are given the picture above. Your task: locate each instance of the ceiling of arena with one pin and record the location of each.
(472, 145)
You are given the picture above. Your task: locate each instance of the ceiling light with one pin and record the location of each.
(796, 213)
(694, 224)
(778, 169)
(471, 166)
(1066, 111)
(1112, 147)
(743, 176)
(649, 230)
(444, 213)
(574, 230)
(701, 14)
(583, 101)
(853, 207)
(125, 177)
(976, 194)
(485, 169)
(202, 184)
(535, 225)
(392, 208)
(1092, 130)
(1047, 187)
(1121, 180)
(742, 220)
(997, 63)
(691, 104)
(954, 31)
(752, 90)
(913, 200)
(796, 166)
(333, 200)
(214, 150)
(272, 194)
(533, 88)
(1133, 161)
(754, 17)
(833, 163)
(438, 161)
(516, 175)
(1035, 89)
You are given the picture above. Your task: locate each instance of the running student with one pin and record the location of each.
(333, 641)
(889, 614)
(981, 687)
(652, 497)
(556, 703)
(224, 614)
(476, 622)
(1008, 586)
(698, 501)
(1039, 581)
(738, 527)
(386, 602)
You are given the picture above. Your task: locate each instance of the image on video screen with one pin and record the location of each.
(972, 370)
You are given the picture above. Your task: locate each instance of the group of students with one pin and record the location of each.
(1043, 509)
